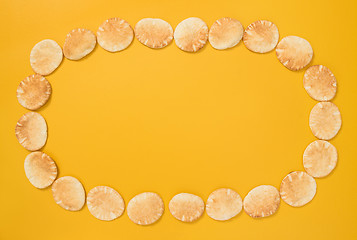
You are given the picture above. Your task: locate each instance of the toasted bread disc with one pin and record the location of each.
(294, 53)
(186, 207)
(320, 158)
(325, 120)
(105, 203)
(115, 34)
(31, 131)
(69, 193)
(223, 204)
(262, 201)
(154, 32)
(33, 92)
(225, 33)
(191, 34)
(298, 188)
(40, 169)
(261, 36)
(145, 208)
(45, 57)
(79, 43)
(320, 83)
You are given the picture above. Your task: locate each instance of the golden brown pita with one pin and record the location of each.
(191, 34)
(325, 120)
(69, 193)
(294, 53)
(225, 33)
(320, 158)
(298, 188)
(261, 36)
(145, 208)
(33, 92)
(154, 32)
(45, 57)
(320, 83)
(223, 204)
(31, 131)
(40, 169)
(186, 207)
(115, 35)
(79, 43)
(262, 201)
(105, 203)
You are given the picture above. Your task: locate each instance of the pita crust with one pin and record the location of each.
(45, 57)
(79, 43)
(261, 36)
(225, 33)
(31, 131)
(115, 35)
(145, 208)
(154, 32)
(298, 188)
(186, 207)
(40, 169)
(262, 201)
(191, 34)
(294, 53)
(325, 120)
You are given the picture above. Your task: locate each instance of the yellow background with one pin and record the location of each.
(168, 121)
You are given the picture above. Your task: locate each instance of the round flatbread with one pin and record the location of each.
(262, 201)
(298, 188)
(325, 120)
(186, 207)
(105, 203)
(320, 158)
(320, 83)
(294, 53)
(191, 34)
(31, 131)
(145, 208)
(79, 43)
(261, 36)
(154, 32)
(225, 33)
(115, 34)
(45, 57)
(33, 92)
(69, 193)
(40, 169)
(223, 204)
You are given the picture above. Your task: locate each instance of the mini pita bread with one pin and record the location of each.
(31, 131)
(298, 188)
(105, 203)
(33, 92)
(325, 120)
(45, 57)
(262, 201)
(186, 207)
(115, 34)
(154, 32)
(145, 208)
(79, 43)
(320, 83)
(320, 158)
(225, 33)
(223, 204)
(40, 169)
(191, 34)
(69, 193)
(294, 53)
(261, 36)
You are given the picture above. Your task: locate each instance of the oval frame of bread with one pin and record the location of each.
(191, 35)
